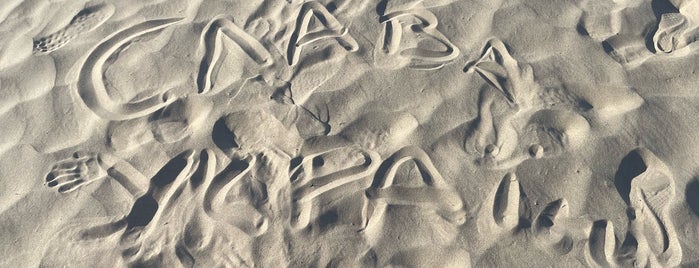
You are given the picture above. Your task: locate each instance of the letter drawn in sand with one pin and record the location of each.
(497, 67)
(247, 218)
(333, 29)
(507, 202)
(549, 231)
(420, 21)
(602, 245)
(436, 194)
(91, 86)
(306, 186)
(213, 44)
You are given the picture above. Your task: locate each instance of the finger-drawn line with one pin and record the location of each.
(334, 29)
(213, 45)
(92, 89)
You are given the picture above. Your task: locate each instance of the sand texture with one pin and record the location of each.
(349, 133)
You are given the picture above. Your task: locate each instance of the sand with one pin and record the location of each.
(349, 133)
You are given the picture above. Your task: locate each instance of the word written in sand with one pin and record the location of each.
(417, 21)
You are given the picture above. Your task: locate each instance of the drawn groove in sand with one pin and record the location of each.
(515, 82)
(428, 24)
(507, 202)
(172, 198)
(436, 194)
(91, 86)
(333, 29)
(498, 68)
(85, 21)
(306, 186)
(213, 46)
(650, 187)
(548, 216)
(601, 246)
(249, 220)
(692, 196)
(426, 59)
(175, 197)
(157, 203)
(218, 185)
(547, 229)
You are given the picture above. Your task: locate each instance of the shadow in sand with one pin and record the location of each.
(692, 194)
(631, 166)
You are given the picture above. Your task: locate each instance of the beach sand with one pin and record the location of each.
(349, 133)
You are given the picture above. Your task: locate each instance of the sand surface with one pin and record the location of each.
(349, 133)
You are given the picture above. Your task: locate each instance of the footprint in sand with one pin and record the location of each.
(380, 131)
(164, 189)
(677, 30)
(600, 19)
(85, 21)
(648, 187)
(127, 135)
(528, 124)
(179, 119)
(143, 222)
(558, 130)
(257, 131)
(447, 257)
(630, 51)
(86, 167)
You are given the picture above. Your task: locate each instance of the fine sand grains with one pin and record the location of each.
(349, 133)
